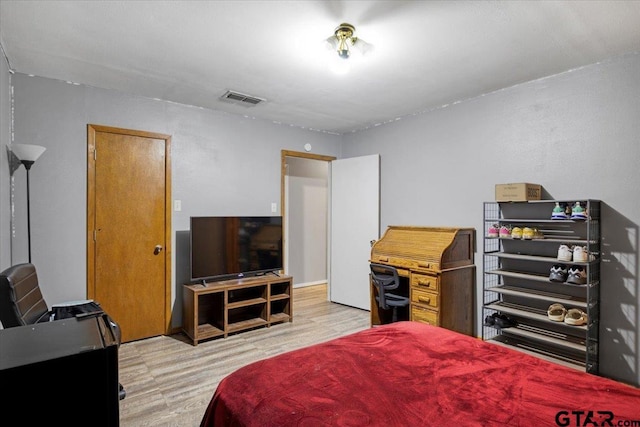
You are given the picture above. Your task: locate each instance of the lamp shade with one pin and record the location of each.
(27, 152)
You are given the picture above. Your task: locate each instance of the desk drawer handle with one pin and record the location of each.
(424, 299)
(424, 282)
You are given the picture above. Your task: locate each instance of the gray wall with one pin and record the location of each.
(577, 134)
(5, 139)
(221, 165)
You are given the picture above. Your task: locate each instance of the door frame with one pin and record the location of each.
(91, 194)
(283, 172)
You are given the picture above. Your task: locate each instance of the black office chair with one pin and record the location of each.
(22, 303)
(385, 278)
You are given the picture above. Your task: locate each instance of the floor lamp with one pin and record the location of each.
(27, 154)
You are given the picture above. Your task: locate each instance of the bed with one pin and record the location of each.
(414, 374)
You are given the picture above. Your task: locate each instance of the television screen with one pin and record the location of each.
(223, 246)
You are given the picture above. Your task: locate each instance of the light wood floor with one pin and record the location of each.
(169, 382)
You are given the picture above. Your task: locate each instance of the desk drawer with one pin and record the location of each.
(425, 282)
(419, 314)
(430, 299)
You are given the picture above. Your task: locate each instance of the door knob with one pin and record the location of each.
(157, 249)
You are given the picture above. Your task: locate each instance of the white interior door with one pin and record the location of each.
(355, 221)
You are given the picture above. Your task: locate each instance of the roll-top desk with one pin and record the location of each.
(437, 272)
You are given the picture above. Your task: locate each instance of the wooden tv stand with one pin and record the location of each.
(220, 308)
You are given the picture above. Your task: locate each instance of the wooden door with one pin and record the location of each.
(129, 228)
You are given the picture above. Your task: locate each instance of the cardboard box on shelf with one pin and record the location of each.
(518, 192)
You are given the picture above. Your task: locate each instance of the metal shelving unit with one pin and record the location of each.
(516, 281)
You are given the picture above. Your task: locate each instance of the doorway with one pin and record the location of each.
(129, 228)
(304, 199)
(353, 222)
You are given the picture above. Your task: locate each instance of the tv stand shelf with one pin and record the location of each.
(215, 309)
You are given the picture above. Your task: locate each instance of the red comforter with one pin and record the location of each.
(413, 374)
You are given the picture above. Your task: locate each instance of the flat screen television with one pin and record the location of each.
(223, 247)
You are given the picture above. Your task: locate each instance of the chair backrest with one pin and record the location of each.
(21, 301)
(385, 278)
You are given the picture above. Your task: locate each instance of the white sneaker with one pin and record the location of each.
(564, 253)
(580, 254)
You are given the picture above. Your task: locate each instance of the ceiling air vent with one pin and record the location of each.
(241, 98)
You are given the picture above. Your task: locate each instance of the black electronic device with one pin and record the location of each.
(64, 371)
(223, 247)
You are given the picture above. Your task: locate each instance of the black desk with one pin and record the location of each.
(65, 371)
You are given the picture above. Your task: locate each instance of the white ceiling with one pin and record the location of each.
(427, 53)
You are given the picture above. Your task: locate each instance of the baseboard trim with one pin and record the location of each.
(304, 285)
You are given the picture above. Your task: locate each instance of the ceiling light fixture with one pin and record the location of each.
(343, 37)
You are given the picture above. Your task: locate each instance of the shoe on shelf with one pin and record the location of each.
(493, 231)
(567, 210)
(558, 212)
(490, 320)
(504, 321)
(537, 234)
(578, 212)
(556, 312)
(558, 273)
(516, 233)
(565, 253)
(527, 233)
(580, 254)
(575, 317)
(505, 231)
(577, 275)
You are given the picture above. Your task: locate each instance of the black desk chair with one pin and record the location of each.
(385, 278)
(22, 303)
